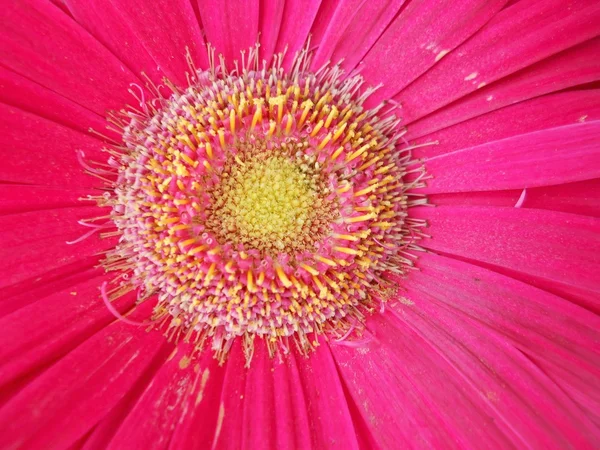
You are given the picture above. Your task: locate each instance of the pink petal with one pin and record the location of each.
(330, 23)
(269, 24)
(30, 289)
(298, 17)
(274, 407)
(259, 400)
(293, 429)
(547, 157)
(579, 198)
(572, 67)
(36, 242)
(365, 28)
(49, 328)
(232, 403)
(492, 369)
(433, 379)
(230, 26)
(16, 198)
(582, 198)
(21, 294)
(170, 399)
(551, 245)
(419, 37)
(552, 331)
(548, 111)
(390, 385)
(148, 36)
(91, 380)
(346, 30)
(43, 44)
(100, 436)
(331, 422)
(104, 21)
(489, 56)
(37, 151)
(24, 94)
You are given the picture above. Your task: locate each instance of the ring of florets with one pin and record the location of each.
(261, 202)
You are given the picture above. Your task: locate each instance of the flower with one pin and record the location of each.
(264, 286)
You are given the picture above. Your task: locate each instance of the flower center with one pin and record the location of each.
(271, 200)
(260, 202)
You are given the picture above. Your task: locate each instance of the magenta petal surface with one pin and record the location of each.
(582, 197)
(57, 165)
(42, 43)
(27, 95)
(552, 156)
(45, 330)
(551, 245)
(558, 335)
(231, 27)
(569, 68)
(297, 19)
(489, 56)
(419, 37)
(432, 377)
(23, 235)
(347, 29)
(269, 24)
(89, 387)
(537, 114)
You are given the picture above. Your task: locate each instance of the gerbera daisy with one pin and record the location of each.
(285, 224)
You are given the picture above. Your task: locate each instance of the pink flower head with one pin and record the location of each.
(284, 224)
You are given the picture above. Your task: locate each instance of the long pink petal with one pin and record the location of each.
(232, 402)
(47, 329)
(489, 56)
(37, 151)
(148, 36)
(168, 400)
(547, 328)
(547, 111)
(419, 37)
(259, 400)
(429, 375)
(16, 198)
(495, 371)
(105, 22)
(569, 68)
(327, 404)
(367, 25)
(547, 157)
(91, 380)
(100, 436)
(36, 242)
(43, 44)
(582, 198)
(551, 245)
(269, 24)
(231, 27)
(27, 95)
(275, 413)
(298, 17)
(292, 427)
(340, 16)
(346, 30)
(30, 290)
(578, 198)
